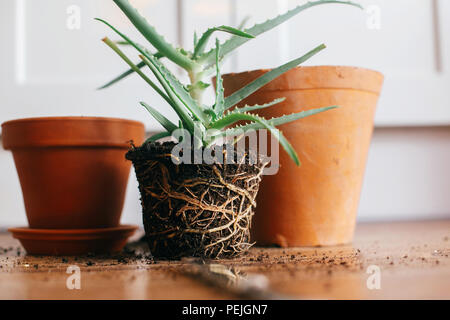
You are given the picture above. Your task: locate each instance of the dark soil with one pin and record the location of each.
(196, 210)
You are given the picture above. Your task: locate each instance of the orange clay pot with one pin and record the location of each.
(315, 204)
(72, 170)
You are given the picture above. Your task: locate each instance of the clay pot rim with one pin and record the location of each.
(70, 131)
(317, 77)
(327, 66)
(71, 118)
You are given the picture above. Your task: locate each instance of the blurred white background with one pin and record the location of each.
(52, 59)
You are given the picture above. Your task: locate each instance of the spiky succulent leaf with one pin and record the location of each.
(180, 91)
(183, 137)
(278, 120)
(202, 42)
(123, 75)
(248, 108)
(177, 87)
(166, 123)
(243, 22)
(236, 117)
(157, 136)
(220, 99)
(179, 107)
(211, 69)
(198, 85)
(125, 43)
(116, 49)
(244, 92)
(211, 114)
(256, 125)
(160, 73)
(235, 42)
(130, 71)
(149, 32)
(185, 100)
(195, 39)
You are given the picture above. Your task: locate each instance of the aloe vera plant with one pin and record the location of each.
(186, 100)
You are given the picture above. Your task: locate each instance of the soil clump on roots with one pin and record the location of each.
(200, 210)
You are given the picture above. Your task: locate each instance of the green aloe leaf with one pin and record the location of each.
(282, 120)
(199, 85)
(152, 62)
(130, 71)
(184, 135)
(299, 115)
(235, 42)
(220, 99)
(123, 75)
(116, 49)
(211, 69)
(243, 93)
(243, 23)
(178, 105)
(195, 39)
(166, 123)
(149, 32)
(125, 43)
(202, 42)
(247, 108)
(157, 136)
(179, 89)
(236, 117)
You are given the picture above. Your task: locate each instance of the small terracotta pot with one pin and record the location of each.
(72, 170)
(316, 203)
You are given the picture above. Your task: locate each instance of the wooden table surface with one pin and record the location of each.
(412, 257)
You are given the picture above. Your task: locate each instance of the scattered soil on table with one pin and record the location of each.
(134, 254)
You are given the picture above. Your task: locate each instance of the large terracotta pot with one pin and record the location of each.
(316, 203)
(72, 170)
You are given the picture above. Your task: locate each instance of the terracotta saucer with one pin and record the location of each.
(73, 241)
